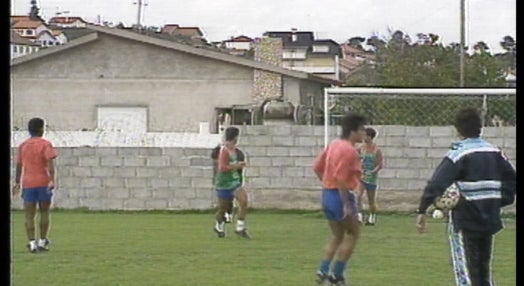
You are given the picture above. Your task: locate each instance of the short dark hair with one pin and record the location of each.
(36, 126)
(468, 122)
(231, 133)
(371, 132)
(352, 122)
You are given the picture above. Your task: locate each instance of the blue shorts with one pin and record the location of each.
(332, 204)
(38, 194)
(369, 186)
(227, 194)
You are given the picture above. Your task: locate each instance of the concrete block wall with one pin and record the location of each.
(279, 173)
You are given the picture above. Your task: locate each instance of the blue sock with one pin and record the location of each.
(338, 269)
(324, 266)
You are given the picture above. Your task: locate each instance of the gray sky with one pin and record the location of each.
(487, 20)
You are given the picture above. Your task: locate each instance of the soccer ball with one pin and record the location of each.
(449, 199)
(437, 214)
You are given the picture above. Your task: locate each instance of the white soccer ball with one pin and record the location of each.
(438, 214)
(449, 198)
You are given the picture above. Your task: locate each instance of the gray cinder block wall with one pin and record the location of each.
(279, 173)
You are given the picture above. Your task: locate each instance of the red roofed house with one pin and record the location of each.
(239, 43)
(353, 57)
(194, 33)
(68, 22)
(29, 28)
(18, 18)
(169, 28)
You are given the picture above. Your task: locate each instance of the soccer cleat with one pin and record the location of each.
(243, 233)
(32, 247)
(372, 219)
(321, 278)
(337, 281)
(220, 233)
(43, 244)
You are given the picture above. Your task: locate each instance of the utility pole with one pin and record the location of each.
(462, 39)
(141, 5)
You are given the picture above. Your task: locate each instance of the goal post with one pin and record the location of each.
(411, 97)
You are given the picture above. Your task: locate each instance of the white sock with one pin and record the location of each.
(219, 226)
(241, 225)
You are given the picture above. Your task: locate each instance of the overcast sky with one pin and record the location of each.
(487, 20)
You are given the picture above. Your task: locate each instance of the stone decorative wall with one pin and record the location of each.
(267, 84)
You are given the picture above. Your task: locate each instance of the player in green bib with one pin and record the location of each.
(372, 162)
(228, 184)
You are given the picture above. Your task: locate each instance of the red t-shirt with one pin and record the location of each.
(34, 155)
(339, 161)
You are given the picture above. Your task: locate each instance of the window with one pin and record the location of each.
(29, 32)
(320, 49)
(15, 49)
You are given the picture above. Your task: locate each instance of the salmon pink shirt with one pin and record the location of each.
(34, 154)
(339, 161)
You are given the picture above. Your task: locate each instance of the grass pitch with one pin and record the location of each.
(173, 248)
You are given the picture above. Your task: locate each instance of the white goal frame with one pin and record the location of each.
(428, 91)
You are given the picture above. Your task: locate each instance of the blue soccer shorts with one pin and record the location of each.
(370, 187)
(227, 194)
(333, 207)
(38, 194)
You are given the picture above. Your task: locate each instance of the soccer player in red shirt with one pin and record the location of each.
(35, 174)
(338, 167)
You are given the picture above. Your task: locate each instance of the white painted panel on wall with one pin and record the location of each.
(122, 119)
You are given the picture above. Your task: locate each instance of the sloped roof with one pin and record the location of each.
(18, 18)
(66, 20)
(169, 28)
(211, 54)
(240, 39)
(27, 24)
(189, 31)
(15, 38)
(72, 33)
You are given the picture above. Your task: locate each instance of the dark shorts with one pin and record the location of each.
(369, 186)
(333, 207)
(39, 194)
(227, 194)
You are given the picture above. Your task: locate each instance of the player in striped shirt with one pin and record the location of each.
(487, 181)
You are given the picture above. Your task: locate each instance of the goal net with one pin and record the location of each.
(416, 106)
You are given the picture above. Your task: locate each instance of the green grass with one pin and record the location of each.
(179, 248)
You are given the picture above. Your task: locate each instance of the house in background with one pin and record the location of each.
(302, 52)
(68, 22)
(60, 37)
(21, 46)
(157, 85)
(169, 28)
(29, 29)
(238, 46)
(192, 33)
(353, 58)
(45, 39)
(38, 31)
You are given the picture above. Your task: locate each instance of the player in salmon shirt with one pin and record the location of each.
(338, 167)
(35, 174)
